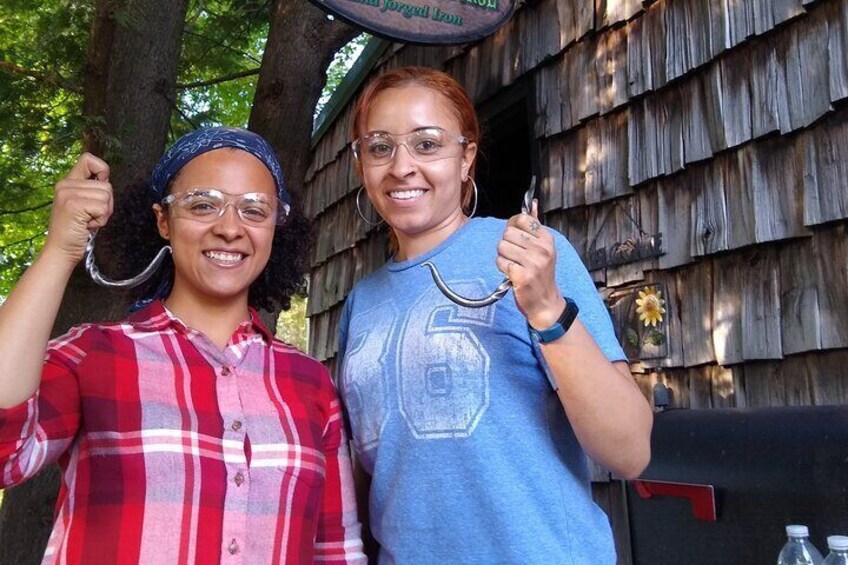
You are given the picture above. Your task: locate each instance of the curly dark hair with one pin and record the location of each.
(131, 240)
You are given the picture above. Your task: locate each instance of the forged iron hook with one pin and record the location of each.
(98, 278)
(502, 289)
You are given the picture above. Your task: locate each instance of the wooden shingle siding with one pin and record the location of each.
(727, 310)
(830, 259)
(760, 305)
(709, 233)
(776, 185)
(721, 124)
(806, 379)
(811, 35)
(674, 198)
(825, 174)
(801, 328)
(606, 158)
(695, 283)
(837, 47)
(767, 89)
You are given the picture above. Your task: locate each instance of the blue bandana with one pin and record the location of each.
(198, 142)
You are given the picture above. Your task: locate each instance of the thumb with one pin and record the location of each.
(90, 167)
(534, 209)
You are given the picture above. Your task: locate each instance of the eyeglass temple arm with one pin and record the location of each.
(95, 275)
(502, 289)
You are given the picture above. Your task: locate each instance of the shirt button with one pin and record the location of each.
(233, 548)
(239, 479)
(236, 425)
(225, 371)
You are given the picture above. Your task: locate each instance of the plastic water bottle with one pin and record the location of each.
(798, 550)
(838, 555)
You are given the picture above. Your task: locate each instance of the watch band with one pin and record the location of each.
(556, 331)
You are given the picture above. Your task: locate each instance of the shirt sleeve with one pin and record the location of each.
(339, 537)
(37, 432)
(574, 282)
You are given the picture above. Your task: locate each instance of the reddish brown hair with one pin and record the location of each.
(454, 95)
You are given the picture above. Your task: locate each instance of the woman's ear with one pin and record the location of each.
(162, 222)
(468, 157)
(358, 166)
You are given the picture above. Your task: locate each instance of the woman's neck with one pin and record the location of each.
(216, 318)
(414, 245)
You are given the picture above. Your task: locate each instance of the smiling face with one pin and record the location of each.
(419, 200)
(217, 261)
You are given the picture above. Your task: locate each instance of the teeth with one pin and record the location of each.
(224, 257)
(405, 194)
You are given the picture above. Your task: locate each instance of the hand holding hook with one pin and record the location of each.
(502, 288)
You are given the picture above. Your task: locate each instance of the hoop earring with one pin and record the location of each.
(359, 209)
(476, 199)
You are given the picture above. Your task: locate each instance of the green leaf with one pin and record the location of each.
(631, 337)
(655, 338)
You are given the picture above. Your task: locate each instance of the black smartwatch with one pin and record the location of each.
(556, 331)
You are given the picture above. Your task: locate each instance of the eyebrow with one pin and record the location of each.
(416, 130)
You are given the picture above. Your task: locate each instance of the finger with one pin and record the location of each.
(84, 185)
(534, 209)
(91, 209)
(89, 167)
(519, 237)
(506, 266)
(515, 253)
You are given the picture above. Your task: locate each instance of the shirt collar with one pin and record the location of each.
(156, 317)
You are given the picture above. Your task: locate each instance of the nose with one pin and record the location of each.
(403, 163)
(228, 225)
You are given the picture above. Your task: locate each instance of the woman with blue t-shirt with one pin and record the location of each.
(474, 423)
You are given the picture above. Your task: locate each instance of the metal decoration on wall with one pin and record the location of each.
(630, 250)
(635, 248)
(423, 21)
(640, 315)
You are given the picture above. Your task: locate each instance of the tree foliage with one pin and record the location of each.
(342, 62)
(42, 52)
(42, 62)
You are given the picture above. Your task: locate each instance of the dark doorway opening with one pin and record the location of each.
(505, 160)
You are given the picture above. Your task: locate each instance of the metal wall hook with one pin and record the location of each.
(95, 275)
(502, 289)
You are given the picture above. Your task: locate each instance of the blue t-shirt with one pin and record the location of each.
(471, 456)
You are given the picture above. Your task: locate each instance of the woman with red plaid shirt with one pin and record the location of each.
(186, 433)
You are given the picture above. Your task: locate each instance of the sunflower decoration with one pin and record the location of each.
(650, 306)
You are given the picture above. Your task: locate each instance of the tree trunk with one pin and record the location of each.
(301, 44)
(130, 79)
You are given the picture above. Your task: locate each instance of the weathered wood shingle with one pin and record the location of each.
(721, 124)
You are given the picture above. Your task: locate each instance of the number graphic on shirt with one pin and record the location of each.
(364, 373)
(443, 369)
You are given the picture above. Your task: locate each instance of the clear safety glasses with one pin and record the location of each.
(425, 144)
(208, 204)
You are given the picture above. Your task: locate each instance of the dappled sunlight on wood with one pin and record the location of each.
(725, 322)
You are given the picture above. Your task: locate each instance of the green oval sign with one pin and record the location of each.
(423, 21)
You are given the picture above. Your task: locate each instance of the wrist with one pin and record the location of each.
(59, 262)
(548, 316)
(559, 327)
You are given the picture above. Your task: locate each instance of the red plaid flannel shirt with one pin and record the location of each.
(173, 451)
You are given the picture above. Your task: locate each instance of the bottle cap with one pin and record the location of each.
(797, 531)
(837, 542)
